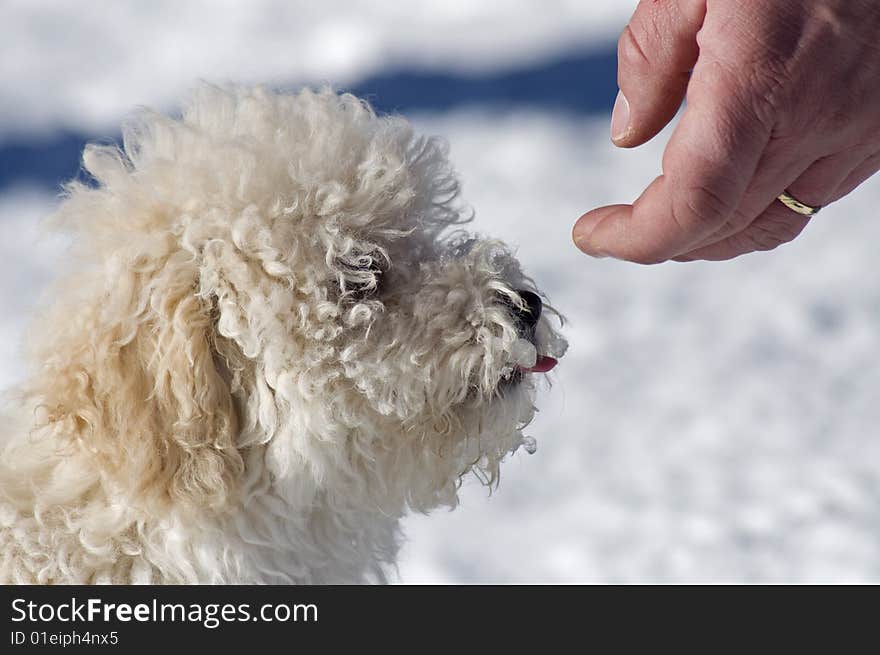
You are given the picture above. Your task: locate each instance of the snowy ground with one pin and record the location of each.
(712, 422)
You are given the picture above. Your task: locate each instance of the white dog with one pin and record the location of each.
(271, 346)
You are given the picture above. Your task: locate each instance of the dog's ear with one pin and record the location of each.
(136, 381)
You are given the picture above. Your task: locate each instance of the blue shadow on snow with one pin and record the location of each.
(580, 83)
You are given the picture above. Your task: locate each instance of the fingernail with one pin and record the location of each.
(620, 117)
(581, 237)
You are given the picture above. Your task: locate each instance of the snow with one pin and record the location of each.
(712, 421)
(65, 64)
(28, 256)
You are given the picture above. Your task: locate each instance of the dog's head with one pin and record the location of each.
(286, 274)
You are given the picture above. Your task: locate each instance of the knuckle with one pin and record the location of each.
(740, 244)
(753, 97)
(736, 222)
(740, 221)
(837, 117)
(771, 78)
(765, 105)
(773, 233)
(633, 47)
(782, 99)
(699, 206)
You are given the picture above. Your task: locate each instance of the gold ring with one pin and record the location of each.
(796, 205)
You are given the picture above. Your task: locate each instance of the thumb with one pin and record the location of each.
(655, 55)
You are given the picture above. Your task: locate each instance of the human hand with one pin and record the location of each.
(783, 95)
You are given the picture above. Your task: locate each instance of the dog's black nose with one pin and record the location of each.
(530, 315)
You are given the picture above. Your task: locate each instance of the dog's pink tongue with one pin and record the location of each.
(542, 365)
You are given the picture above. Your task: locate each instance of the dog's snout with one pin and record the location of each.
(532, 312)
(526, 314)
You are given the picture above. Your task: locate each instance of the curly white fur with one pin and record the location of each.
(272, 345)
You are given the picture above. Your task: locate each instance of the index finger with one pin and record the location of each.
(707, 166)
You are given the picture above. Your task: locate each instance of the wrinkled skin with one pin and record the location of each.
(781, 94)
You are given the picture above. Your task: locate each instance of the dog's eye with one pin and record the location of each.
(361, 277)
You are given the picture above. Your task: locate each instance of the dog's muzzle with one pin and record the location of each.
(527, 318)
